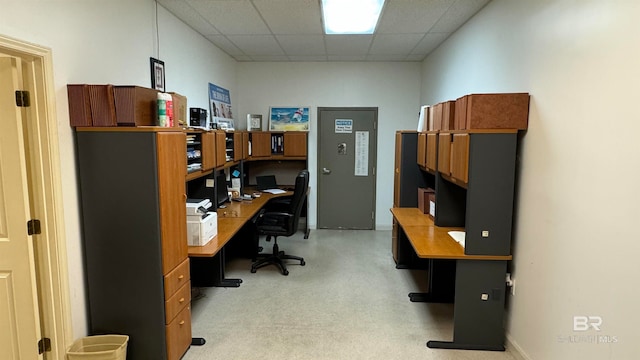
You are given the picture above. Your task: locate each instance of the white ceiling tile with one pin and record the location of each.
(237, 17)
(415, 57)
(277, 30)
(308, 58)
(384, 57)
(224, 44)
(411, 16)
(242, 58)
(256, 44)
(189, 16)
(347, 57)
(348, 44)
(291, 16)
(458, 14)
(430, 42)
(269, 58)
(302, 44)
(393, 44)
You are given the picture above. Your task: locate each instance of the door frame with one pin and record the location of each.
(373, 138)
(45, 193)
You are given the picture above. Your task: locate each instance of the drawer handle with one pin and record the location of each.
(181, 322)
(181, 277)
(181, 300)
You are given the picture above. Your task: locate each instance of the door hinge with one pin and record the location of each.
(33, 227)
(372, 215)
(22, 98)
(44, 345)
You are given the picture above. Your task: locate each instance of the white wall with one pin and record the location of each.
(392, 87)
(100, 42)
(576, 244)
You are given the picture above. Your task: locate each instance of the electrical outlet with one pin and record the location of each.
(511, 283)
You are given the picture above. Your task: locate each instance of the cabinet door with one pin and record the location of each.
(432, 152)
(396, 175)
(237, 146)
(221, 151)
(172, 166)
(245, 145)
(444, 153)
(208, 150)
(460, 157)
(260, 144)
(422, 149)
(295, 144)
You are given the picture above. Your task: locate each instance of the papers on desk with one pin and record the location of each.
(274, 191)
(458, 236)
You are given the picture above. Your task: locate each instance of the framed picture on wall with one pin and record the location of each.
(157, 74)
(289, 118)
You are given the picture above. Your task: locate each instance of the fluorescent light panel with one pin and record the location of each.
(351, 16)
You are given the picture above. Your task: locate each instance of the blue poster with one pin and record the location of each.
(220, 106)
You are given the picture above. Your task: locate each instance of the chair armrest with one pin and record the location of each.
(273, 218)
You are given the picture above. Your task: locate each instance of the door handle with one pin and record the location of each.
(326, 171)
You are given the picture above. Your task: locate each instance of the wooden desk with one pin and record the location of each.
(433, 242)
(231, 219)
(478, 282)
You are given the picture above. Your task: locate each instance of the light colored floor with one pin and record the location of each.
(348, 302)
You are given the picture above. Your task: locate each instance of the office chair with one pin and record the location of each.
(282, 223)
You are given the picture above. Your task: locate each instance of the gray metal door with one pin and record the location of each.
(346, 168)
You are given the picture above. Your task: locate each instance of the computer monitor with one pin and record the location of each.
(266, 182)
(222, 194)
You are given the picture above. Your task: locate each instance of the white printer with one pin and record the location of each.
(202, 225)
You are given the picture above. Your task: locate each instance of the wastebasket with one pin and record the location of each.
(99, 347)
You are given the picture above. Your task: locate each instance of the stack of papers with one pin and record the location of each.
(274, 191)
(458, 236)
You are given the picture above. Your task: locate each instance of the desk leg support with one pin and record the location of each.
(442, 277)
(209, 271)
(198, 341)
(478, 307)
(221, 281)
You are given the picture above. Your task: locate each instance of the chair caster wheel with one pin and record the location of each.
(253, 271)
(285, 273)
(302, 263)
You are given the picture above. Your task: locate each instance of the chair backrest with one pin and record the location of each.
(299, 195)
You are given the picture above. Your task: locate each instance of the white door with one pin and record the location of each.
(19, 315)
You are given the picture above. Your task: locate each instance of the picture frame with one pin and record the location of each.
(157, 74)
(289, 118)
(254, 122)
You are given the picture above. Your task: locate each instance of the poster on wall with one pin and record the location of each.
(220, 107)
(289, 118)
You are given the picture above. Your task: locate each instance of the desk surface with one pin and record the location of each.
(230, 220)
(433, 242)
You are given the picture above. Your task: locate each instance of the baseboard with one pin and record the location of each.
(516, 350)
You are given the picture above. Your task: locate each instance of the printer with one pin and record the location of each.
(202, 224)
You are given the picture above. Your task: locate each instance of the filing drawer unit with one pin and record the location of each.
(132, 184)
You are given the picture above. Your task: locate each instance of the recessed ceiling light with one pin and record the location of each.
(351, 16)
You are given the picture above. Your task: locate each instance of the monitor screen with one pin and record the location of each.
(222, 194)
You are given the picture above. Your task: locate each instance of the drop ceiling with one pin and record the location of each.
(291, 30)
